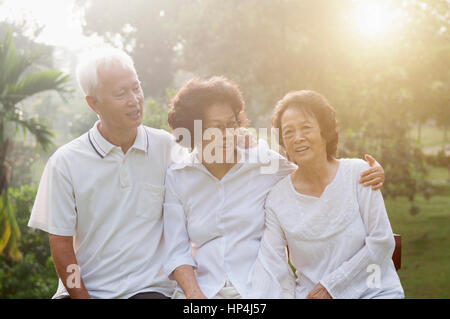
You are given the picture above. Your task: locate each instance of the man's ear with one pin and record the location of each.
(92, 102)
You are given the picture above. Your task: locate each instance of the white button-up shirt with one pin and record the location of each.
(216, 225)
(342, 239)
(111, 203)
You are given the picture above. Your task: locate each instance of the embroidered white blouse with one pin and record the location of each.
(342, 239)
(216, 225)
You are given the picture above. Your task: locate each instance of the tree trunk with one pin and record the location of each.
(5, 168)
(419, 132)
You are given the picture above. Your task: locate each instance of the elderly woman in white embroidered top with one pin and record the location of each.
(216, 205)
(337, 232)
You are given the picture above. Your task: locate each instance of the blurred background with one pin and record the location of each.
(383, 64)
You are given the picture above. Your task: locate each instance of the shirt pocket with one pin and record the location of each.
(150, 202)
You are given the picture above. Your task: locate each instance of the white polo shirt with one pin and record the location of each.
(111, 203)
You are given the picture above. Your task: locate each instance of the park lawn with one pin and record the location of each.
(439, 176)
(430, 136)
(425, 271)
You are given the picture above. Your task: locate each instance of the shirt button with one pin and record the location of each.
(123, 179)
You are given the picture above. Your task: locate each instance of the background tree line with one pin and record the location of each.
(381, 87)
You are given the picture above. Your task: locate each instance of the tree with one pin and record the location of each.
(379, 86)
(20, 78)
(143, 29)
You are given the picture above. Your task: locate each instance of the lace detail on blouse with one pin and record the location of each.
(317, 218)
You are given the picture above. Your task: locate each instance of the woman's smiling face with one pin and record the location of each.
(221, 118)
(302, 136)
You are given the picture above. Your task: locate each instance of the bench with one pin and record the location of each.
(397, 255)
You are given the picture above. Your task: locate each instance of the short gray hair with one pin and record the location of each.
(87, 69)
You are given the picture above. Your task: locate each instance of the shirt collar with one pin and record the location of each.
(142, 140)
(102, 147)
(191, 160)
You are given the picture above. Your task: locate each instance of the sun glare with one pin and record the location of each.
(373, 19)
(59, 19)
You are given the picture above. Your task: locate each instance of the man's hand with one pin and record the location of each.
(319, 292)
(374, 176)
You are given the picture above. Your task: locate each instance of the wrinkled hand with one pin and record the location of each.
(319, 292)
(374, 176)
(244, 138)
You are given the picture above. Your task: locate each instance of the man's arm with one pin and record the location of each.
(63, 256)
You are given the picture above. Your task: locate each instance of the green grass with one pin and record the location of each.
(425, 271)
(438, 175)
(430, 136)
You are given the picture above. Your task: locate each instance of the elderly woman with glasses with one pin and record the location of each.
(337, 232)
(214, 202)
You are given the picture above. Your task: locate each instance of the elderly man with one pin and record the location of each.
(100, 197)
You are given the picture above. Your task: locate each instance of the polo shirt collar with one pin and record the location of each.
(142, 141)
(103, 147)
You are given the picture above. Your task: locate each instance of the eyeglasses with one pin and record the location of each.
(231, 124)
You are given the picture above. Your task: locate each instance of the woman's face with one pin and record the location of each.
(217, 118)
(302, 136)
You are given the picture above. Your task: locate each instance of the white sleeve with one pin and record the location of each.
(54, 209)
(379, 245)
(272, 277)
(176, 238)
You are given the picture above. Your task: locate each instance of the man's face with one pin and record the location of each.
(119, 99)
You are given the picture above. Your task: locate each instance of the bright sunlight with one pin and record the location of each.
(373, 18)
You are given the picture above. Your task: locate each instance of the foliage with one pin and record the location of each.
(20, 78)
(404, 164)
(440, 159)
(10, 234)
(155, 115)
(143, 29)
(271, 47)
(34, 276)
(379, 86)
(24, 41)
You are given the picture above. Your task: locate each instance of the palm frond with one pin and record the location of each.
(33, 83)
(13, 63)
(39, 130)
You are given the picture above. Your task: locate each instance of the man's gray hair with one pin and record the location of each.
(87, 69)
